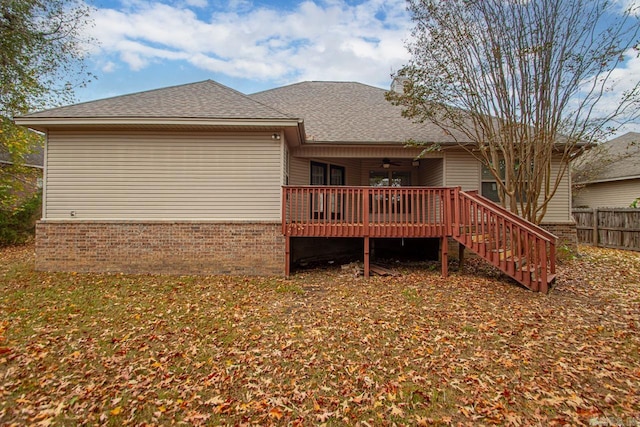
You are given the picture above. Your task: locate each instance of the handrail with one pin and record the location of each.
(489, 204)
(523, 250)
(519, 248)
(364, 211)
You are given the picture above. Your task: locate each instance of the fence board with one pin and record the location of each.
(609, 227)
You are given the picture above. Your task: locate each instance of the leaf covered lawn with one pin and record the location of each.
(323, 347)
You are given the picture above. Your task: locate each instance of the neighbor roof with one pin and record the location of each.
(614, 160)
(201, 100)
(34, 159)
(348, 112)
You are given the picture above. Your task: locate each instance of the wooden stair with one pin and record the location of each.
(520, 249)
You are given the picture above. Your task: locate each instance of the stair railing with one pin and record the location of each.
(519, 248)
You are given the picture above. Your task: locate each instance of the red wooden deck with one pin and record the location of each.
(520, 249)
(318, 211)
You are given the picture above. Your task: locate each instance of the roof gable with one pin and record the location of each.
(201, 100)
(613, 160)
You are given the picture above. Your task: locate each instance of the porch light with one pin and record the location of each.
(415, 163)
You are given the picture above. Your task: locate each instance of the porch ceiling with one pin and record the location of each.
(362, 152)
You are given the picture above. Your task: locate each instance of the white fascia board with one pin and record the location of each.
(46, 122)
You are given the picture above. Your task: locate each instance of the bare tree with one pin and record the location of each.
(42, 49)
(521, 84)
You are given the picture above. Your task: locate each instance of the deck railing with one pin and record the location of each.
(523, 250)
(341, 211)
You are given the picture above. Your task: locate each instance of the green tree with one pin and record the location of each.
(42, 47)
(519, 83)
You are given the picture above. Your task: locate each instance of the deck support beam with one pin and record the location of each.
(287, 257)
(461, 249)
(444, 256)
(367, 264)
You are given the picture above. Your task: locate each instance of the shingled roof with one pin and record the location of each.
(33, 159)
(614, 160)
(348, 112)
(201, 100)
(332, 112)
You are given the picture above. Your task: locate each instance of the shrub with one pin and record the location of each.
(18, 225)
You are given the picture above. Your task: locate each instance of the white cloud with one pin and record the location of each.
(330, 40)
(197, 3)
(621, 80)
(109, 67)
(633, 6)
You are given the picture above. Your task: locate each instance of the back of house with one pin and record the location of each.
(196, 178)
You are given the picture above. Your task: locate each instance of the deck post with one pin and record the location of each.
(456, 211)
(444, 256)
(287, 257)
(460, 256)
(366, 258)
(365, 211)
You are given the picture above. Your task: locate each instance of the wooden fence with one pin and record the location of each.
(609, 227)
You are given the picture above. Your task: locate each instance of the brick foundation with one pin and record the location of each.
(171, 247)
(567, 237)
(566, 245)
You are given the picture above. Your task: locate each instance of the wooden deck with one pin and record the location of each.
(520, 249)
(317, 211)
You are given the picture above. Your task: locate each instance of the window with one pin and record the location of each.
(336, 175)
(490, 186)
(326, 174)
(389, 179)
(394, 203)
(318, 173)
(489, 183)
(327, 205)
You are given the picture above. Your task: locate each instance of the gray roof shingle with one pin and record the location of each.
(616, 159)
(334, 112)
(35, 158)
(201, 100)
(348, 112)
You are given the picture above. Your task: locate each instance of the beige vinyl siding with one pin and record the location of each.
(285, 164)
(352, 170)
(613, 194)
(362, 152)
(299, 171)
(559, 208)
(461, 169)
(431, 172)
(163, 175)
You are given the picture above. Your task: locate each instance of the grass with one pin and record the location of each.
(321, 348)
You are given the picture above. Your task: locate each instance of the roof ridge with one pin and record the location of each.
(318, 81)
(124, 95)
(251, 99)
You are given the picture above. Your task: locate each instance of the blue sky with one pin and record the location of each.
(247, 45)
(254, 45)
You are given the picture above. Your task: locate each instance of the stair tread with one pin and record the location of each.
(499, 248)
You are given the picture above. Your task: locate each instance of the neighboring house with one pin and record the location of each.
(609, 175)
(26, 180)
(189, 179)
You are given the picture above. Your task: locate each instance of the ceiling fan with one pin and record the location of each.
(386, 163)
